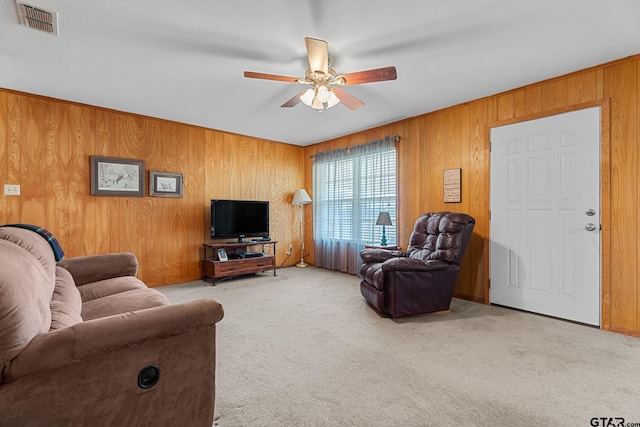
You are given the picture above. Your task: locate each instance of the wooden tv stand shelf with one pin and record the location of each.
(214, 268)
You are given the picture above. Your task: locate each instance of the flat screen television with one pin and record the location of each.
(239, 219)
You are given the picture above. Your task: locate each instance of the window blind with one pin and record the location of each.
(351, 187)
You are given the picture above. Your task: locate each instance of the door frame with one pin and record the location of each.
(605, 197)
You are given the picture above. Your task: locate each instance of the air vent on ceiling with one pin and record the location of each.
(40, 19)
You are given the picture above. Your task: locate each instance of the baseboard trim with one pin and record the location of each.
(625, 331)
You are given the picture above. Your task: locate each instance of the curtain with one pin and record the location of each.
(351, 186)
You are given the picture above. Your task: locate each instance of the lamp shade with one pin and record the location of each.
(307, 97)
(301, 197)
(333, 100)
(384, 219)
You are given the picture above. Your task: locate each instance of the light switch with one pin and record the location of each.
(11, 190)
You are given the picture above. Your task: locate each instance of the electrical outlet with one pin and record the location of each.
(11, 190)
(290, 249)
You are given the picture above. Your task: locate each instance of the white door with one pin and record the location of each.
(545, 216)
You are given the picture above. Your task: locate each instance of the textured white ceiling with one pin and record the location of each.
(184, 60)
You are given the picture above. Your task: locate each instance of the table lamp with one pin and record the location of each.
(384, 219)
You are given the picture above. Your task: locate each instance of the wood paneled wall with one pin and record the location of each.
(457, 137)
(45, 146)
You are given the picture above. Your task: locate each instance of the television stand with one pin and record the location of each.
(238, 264)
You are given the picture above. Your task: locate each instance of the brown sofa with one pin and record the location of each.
(422, 279)
(83, 342)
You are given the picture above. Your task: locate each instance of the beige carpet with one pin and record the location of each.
(304, 349)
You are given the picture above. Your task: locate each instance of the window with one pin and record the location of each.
(350, 188)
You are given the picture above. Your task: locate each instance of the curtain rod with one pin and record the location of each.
(394, 138)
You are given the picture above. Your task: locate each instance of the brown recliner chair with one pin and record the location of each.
(422, 279)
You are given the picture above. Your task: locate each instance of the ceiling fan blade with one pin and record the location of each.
(368, 76)
(263, 76)
(348, 100)
(293, 101)
(318, 53)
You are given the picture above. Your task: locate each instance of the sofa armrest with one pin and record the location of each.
(93, 338)
(380, 255)
(88, 269)
(410, 264)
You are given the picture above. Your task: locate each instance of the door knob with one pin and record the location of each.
(590, 212)
(590, 226)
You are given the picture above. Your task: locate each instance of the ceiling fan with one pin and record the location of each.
(323, 80)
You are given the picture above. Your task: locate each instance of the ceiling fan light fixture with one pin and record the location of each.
(319, 98)
(323, 79)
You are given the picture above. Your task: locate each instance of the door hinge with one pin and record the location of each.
(489, 283)
(489, 215)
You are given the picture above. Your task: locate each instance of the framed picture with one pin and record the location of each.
(222, 255)
(452, 185)
(111, 176)
(165, 184)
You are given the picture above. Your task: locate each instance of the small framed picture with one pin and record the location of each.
(222, 255)
(165, 184)
(112, 176)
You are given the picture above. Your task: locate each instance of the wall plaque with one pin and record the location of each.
(452, 188)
